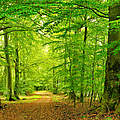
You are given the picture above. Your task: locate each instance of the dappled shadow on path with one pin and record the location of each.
(41, 109)
(37, 111)
(44, 108)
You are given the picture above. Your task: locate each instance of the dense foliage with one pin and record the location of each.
(61, 46)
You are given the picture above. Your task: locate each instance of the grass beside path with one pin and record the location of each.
(35, 96)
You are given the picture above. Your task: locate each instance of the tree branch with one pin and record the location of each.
(4, 28)
(94, 10)
(12, 31)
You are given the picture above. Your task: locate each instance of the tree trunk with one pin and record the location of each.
(54, 82)
(72, 90)
(16, 89)
(8, 67)
(5, 81)
(93, 72)
(112, 80)
(65, 62)
(83, 64)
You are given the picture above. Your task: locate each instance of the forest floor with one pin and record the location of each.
(46, 106)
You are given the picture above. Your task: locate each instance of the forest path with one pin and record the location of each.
(46, 97)
(43, 108)
(46, 108)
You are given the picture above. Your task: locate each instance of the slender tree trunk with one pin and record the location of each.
(112, 80)
(8, 67)
(103, 76)
(93, 70)
(5, 81)
(54, 82)
(72, 92)
(16, 89)
(83, 64)
(54, 77)
(65, 62)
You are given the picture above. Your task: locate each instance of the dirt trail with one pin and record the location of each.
(46, 97)
(41, 109)
(44, 108)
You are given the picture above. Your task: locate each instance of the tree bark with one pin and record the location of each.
(54, 82)
(83, 64)
(5, 81)
(16, 89)
(112, 81)
(65, 61)
(93, 72)
(8, 67)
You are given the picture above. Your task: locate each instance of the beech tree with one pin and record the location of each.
(112, 78)
(76, 32)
